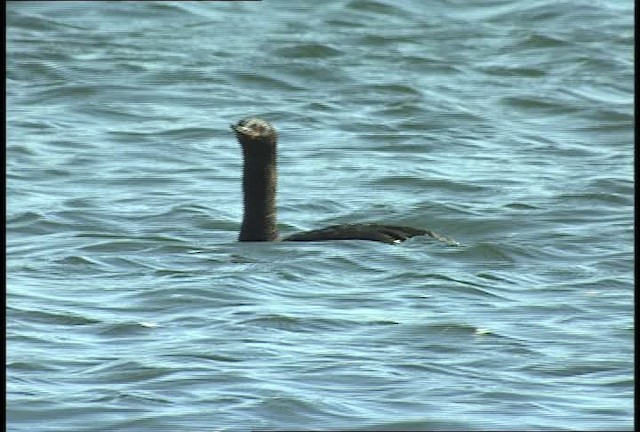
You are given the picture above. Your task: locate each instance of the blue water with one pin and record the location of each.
(506, 125)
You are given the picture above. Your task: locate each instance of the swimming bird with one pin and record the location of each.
(258, 140)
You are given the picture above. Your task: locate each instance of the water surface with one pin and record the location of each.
(507, 126)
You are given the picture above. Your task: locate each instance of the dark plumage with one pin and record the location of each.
(258, 140)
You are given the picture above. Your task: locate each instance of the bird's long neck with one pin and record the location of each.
(259, 184)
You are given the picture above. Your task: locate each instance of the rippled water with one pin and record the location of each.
(507, 125)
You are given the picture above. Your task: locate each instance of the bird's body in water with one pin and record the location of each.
(258, 140)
